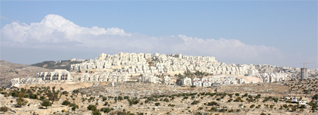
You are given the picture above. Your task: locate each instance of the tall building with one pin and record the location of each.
(304, 73)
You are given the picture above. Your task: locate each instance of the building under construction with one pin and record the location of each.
(304, 73)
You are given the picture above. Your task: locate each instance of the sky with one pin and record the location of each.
(282, 33)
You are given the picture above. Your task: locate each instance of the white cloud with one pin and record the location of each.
(54, 31)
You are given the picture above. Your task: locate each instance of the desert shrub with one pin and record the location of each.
(222, 110)
(302, 106)
(252, 106)
(91, 107)
(230, 95)
(157, 104)
(213, 109)
(66, 102)
(120, 98)
(245, 95)
(195, 102)
(237, 94)
(213, 103)
(172, 105)
(133, 101)
(15, 93)
(126, 97)
(266, 99)
(105, 110)
(65, 93)
(275, 99)
(238, 99)
(315, 97)
(33, 96)
(75, 91)
(104, 98)
(74, 106)
(96, 112)
(231, 110)
(21, 101)
(4, 109)
(46, 103)
(166, 100)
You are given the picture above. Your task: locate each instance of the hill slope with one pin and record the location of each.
(11, 70)
(64, 64)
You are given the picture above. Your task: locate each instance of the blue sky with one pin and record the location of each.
(269, 32)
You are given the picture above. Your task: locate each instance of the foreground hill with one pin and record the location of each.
(135, 98)
(64, 64)
(11, 70)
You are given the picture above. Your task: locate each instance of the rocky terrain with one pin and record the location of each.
(11, 70)
(134, 98)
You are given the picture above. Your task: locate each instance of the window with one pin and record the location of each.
(64, 77)
(48, 76)
(55, 76)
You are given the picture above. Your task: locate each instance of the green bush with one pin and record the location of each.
(157, 104)
(75, 91)
(104, 98)
(74, 106)
(213, 109)
(105, 110)
(252, 106)
(166, 100)
(120, 98)
(195, 102)
(238, 99)
(4, 109)
(172, 105)
(33, 96)
(126, 97)
(96, 112)
(133, 101)
(66, 102)
(91, 107)
(213, 103)
(245, 95)
(46, 103)
(65, 93)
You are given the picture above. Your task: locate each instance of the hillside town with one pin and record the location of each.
(144, 84)
(146, 67)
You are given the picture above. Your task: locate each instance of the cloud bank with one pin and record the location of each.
(56, 32)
